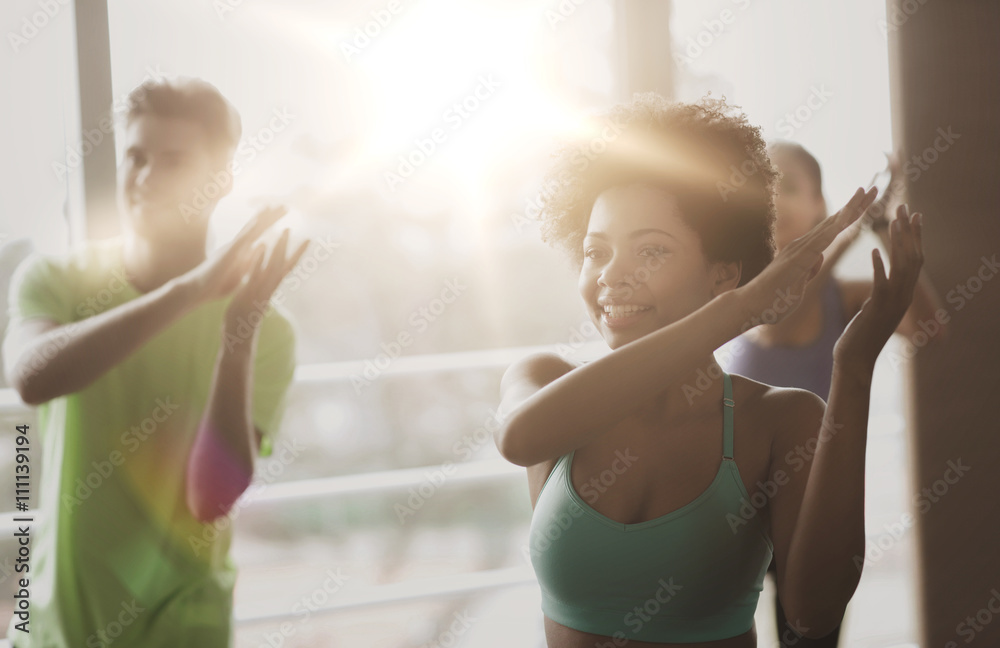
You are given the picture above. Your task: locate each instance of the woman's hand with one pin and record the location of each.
(866, 334)
(778, 289)
(878, 216)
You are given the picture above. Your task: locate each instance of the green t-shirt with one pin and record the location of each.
(116, 555)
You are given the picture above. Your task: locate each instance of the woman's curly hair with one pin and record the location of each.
(705, 154)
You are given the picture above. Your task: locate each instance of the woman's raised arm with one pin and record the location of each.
(818, 525)
(570, 411)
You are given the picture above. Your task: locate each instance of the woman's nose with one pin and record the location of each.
(616, 273)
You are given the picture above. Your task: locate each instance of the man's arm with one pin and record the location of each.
(45, 360)
(221, 463)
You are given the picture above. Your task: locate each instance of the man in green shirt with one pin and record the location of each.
(159, 372)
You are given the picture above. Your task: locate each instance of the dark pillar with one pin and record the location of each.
(945, 71)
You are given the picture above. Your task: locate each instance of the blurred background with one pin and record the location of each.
(411, 137)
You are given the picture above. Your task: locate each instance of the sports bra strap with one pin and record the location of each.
(727, 417)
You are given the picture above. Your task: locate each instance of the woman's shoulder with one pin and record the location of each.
(540, 364)
(779, 408)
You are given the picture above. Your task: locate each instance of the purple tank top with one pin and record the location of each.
(807, 367)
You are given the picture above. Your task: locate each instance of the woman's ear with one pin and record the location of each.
(726, 276)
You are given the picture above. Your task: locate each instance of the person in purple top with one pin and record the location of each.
(798, 350)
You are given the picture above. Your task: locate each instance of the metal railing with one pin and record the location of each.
(483, 471)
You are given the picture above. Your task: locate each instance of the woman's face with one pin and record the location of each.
(799, 203)
(643, 267)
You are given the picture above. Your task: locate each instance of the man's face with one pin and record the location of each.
(167, 165)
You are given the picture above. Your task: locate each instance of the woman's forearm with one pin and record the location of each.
(590, 400)
(822, 569)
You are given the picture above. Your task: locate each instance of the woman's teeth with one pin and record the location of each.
(624, 311)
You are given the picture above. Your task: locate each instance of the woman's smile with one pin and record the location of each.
(618, 316)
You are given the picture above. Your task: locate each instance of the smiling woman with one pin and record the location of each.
(688, 150)
(671, 227)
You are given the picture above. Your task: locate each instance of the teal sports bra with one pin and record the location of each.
(694, 574)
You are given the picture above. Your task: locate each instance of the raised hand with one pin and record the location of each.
(875, 217)
(220, 274)
(779, 287)
(866, 334)
(254, 293)
(878, 215)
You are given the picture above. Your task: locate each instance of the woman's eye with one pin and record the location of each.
(592, 253)
(653, 251)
